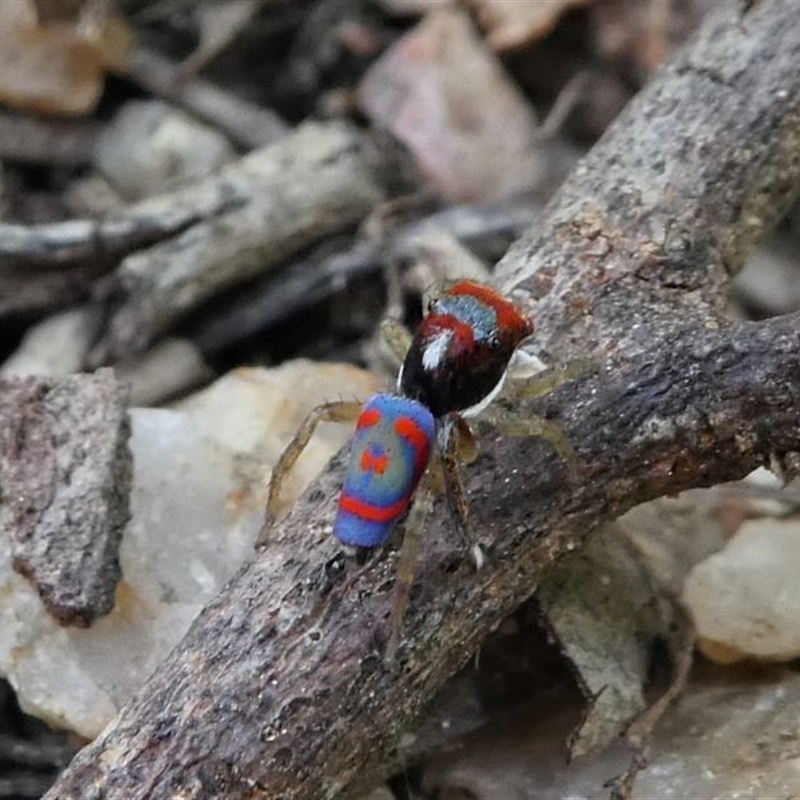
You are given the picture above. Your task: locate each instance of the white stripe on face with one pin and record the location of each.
(435, 350)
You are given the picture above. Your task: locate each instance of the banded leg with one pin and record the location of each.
(406, 562)
(433, 484)
(514, 424)
(449, 443)
(335, 411)
(541, 384)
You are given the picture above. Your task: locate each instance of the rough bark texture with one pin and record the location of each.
(279, 689)
(65, 476)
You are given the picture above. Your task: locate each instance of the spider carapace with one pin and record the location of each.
(407, 445)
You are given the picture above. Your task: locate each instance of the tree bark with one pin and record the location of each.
(279, 689)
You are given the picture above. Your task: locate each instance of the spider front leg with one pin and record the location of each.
(542, 383)
(456, 443)
(335, 411)
(512, 423)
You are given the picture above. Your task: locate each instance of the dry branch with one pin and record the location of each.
(319, 275)
(279, 689)
(48, 290)
(246, 124)
(71, 243)
(46, 141)
(315, 182)
(180, 247)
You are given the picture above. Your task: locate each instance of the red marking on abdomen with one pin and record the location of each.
(368, 418)
(372, 513)
(373, 463)
(406, 428)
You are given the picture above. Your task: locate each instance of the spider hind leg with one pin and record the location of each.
(406, 562)
(456, 443)
(334, 411)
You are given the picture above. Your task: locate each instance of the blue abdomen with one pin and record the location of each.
(390, 451)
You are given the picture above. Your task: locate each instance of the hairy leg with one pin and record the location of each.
(466, 445)
(451, 441)
(512, 423)
(406, 562)
(335, 411)
(542, 383)
(461, 447)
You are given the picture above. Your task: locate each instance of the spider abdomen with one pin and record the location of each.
(390, 452)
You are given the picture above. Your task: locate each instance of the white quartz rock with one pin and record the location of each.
(745, 600)
(200, 473)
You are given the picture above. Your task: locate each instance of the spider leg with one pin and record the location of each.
(449, 443)
(397, 337)
(335, 411)
(511, 423)
(543, 383)
(434, 482)
(406, 562)
(466, 446)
